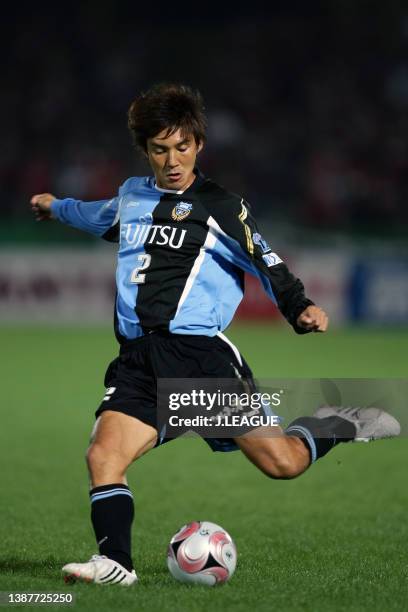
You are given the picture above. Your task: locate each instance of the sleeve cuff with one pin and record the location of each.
(298, 310)
(56, 206)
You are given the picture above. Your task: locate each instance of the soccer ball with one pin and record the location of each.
(203, 553)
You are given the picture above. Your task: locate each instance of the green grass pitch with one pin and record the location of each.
(333, 539)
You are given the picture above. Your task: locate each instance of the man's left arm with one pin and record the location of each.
(235, 219)
(289, 292)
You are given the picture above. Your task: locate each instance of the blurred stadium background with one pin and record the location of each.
(308, 118)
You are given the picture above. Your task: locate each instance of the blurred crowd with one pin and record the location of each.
(308, 112)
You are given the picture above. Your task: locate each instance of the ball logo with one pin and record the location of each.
(181, 211)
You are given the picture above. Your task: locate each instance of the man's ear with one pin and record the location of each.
(200, 146)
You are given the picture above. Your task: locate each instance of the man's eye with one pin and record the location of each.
(182, 149)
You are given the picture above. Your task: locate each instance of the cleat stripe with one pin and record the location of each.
(109, 574)
(119, 572)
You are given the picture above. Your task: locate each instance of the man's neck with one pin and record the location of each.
(177, 191)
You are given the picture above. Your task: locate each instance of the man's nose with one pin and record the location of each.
(172, 159)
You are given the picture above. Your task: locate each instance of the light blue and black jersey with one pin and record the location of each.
(182, 256)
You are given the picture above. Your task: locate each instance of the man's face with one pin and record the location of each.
(173, 159)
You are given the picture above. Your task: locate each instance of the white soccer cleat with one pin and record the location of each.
(371, 423)
(100, 570)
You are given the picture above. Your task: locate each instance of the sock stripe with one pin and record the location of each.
(111, 493)
(109, 487)
(108, 490)
(308, 436)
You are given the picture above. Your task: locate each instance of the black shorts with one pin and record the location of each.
(131, 378)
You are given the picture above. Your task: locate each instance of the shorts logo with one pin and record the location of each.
(108, 393)
(257, 238)
(181, 211)
(271, 259)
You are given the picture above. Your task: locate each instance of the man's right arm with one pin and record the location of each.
(98, 218)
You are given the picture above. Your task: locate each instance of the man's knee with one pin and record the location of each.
(100, 459)
(116, 441)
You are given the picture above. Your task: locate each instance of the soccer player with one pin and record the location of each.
(184, 246)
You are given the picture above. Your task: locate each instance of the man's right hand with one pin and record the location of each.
(41, 206)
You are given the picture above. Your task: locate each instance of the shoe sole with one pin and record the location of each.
(72, 578)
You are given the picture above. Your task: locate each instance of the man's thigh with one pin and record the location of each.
(131, 386)
(123, 435)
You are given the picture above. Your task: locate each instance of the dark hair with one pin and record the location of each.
(168, 106)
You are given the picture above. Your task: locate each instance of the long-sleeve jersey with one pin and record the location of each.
(182, 256)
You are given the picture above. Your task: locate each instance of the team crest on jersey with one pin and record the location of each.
(181, 211)
(257, 238)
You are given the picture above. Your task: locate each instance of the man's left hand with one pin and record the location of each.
(313, 319)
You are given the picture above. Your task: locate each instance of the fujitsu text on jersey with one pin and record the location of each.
(135, 234)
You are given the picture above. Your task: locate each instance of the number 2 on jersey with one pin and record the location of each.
(136, 277)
